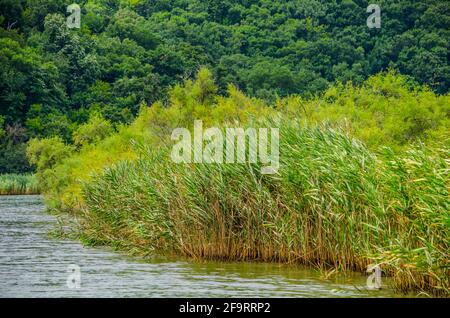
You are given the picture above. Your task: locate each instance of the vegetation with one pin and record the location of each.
(339, 206)
(335, 202)
(11, 184)
(130, 52)
(364, 119)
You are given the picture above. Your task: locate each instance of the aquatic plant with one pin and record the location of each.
(333, 203)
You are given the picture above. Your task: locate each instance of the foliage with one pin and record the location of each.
(132, 52)
(386, 110)
(335, 201)
(93, 131)
(45, 153)
(15, 184)
(12, 149)
(376, 113)
(341, 93)
(339, 206)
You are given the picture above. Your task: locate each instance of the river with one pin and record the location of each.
(34, 264)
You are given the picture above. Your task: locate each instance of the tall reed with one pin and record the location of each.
(333, 203)
(11, 184)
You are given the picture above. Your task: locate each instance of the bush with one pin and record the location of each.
(387, 110)
(45, 153)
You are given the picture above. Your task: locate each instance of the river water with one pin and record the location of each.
(33, 264)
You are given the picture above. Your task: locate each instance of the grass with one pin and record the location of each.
(12, 184)
(333, 204)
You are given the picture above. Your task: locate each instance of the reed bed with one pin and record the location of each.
(333, 203)
(15, 184)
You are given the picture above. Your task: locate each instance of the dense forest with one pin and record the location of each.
(131, 53)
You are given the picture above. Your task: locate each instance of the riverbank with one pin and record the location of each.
(37, 266)
(17, 184)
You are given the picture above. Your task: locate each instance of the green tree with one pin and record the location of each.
(96, 129)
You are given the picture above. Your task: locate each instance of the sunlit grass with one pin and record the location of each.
(340, 201)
